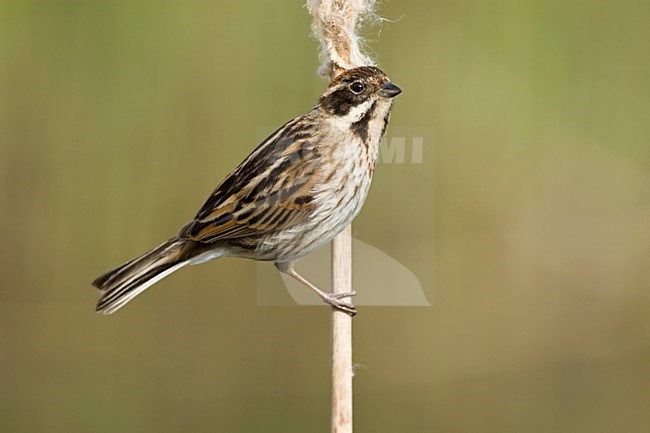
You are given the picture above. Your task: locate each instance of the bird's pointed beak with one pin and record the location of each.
(389, 90)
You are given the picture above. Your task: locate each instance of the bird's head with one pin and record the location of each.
(355, 91)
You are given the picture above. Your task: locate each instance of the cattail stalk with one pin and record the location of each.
(335, 25)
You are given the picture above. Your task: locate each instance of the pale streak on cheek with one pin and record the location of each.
(355, 113)
(344, 122)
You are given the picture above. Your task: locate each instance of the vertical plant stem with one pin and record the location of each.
(335, 25)
(342, 335)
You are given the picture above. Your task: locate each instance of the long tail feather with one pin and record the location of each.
(126, 282)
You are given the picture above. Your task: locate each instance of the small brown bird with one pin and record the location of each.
(296, 191)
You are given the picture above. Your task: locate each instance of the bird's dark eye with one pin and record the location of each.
(357, 87)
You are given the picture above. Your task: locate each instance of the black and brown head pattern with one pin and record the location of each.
(354, 87)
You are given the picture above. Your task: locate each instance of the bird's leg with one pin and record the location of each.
(333, 299)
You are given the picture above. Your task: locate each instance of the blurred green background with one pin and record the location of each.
(528, 222)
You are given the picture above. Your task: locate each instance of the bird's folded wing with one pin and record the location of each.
(265, 215)
(271, 190)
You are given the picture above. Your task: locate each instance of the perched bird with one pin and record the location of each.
(296, 191)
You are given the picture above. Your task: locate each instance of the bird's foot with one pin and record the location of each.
(337, 302)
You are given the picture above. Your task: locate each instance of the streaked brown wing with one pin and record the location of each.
(253, 219)
(269, 191)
